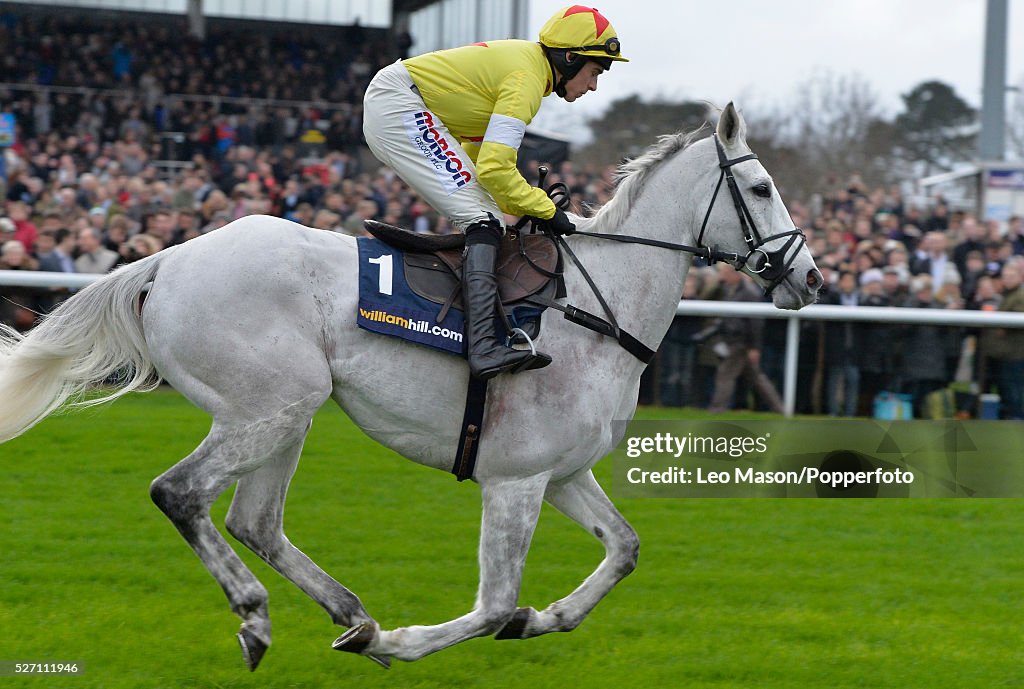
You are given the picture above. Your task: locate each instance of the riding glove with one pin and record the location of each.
(559, 223)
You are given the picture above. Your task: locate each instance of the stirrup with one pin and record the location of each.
(519, 332)
(536, 359)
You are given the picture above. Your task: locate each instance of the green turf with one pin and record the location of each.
(728, 593)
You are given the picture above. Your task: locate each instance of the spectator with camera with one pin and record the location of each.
(739, 347)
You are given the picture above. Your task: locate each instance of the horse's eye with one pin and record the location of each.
(763, 190)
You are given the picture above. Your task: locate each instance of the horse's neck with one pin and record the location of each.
(642, 284)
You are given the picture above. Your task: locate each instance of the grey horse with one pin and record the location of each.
(255, 323)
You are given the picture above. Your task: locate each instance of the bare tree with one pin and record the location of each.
(631, 124)
(831, 129)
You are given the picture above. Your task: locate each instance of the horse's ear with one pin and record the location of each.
(731, 127)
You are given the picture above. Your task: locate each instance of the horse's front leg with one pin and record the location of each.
(582, 500)
(510, 511)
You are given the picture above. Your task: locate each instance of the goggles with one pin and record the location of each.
(610, 47)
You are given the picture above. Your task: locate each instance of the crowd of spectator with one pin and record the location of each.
(873, 250)
(88, 189)
(119, 81)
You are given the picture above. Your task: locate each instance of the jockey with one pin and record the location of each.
(450, 124)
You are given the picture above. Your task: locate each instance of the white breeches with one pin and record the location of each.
(417, 145)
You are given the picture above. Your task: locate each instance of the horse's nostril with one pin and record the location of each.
(813, 278)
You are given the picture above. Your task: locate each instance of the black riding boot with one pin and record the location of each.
(488, 356)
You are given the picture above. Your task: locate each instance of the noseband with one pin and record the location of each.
(771, 266)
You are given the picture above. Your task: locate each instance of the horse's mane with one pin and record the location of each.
(632, 175)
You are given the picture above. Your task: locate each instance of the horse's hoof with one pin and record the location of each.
(357, 640)
(383, 661)
(515, 627)
(253, 648)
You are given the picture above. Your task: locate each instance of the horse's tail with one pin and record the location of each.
(93, 337)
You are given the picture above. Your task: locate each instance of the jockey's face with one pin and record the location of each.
(585, 80)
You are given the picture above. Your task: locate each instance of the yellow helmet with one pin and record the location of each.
(584, 31)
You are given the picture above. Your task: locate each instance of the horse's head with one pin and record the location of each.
(747, 223)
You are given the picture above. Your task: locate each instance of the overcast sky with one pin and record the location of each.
(758, 52)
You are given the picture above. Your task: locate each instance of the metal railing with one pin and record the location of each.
(43, 279)
(824, 312)
(710, 309)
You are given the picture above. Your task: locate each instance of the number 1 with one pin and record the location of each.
(384, 279)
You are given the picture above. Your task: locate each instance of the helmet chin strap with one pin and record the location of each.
(560, 83)
(558, 71)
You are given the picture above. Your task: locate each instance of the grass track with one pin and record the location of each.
(729, 593)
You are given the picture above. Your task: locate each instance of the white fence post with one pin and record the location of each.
(789, 375)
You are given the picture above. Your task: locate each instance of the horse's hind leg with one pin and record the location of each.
(256, 518)
(186, 491)
(510, 511)
(583, 501)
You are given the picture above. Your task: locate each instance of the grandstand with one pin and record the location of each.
(304, 64)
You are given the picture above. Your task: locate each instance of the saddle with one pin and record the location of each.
(433, 269)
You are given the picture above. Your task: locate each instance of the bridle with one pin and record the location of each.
(772, 266)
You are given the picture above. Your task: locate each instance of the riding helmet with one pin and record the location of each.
(576, 34)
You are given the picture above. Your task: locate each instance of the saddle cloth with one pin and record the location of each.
(408, 293)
